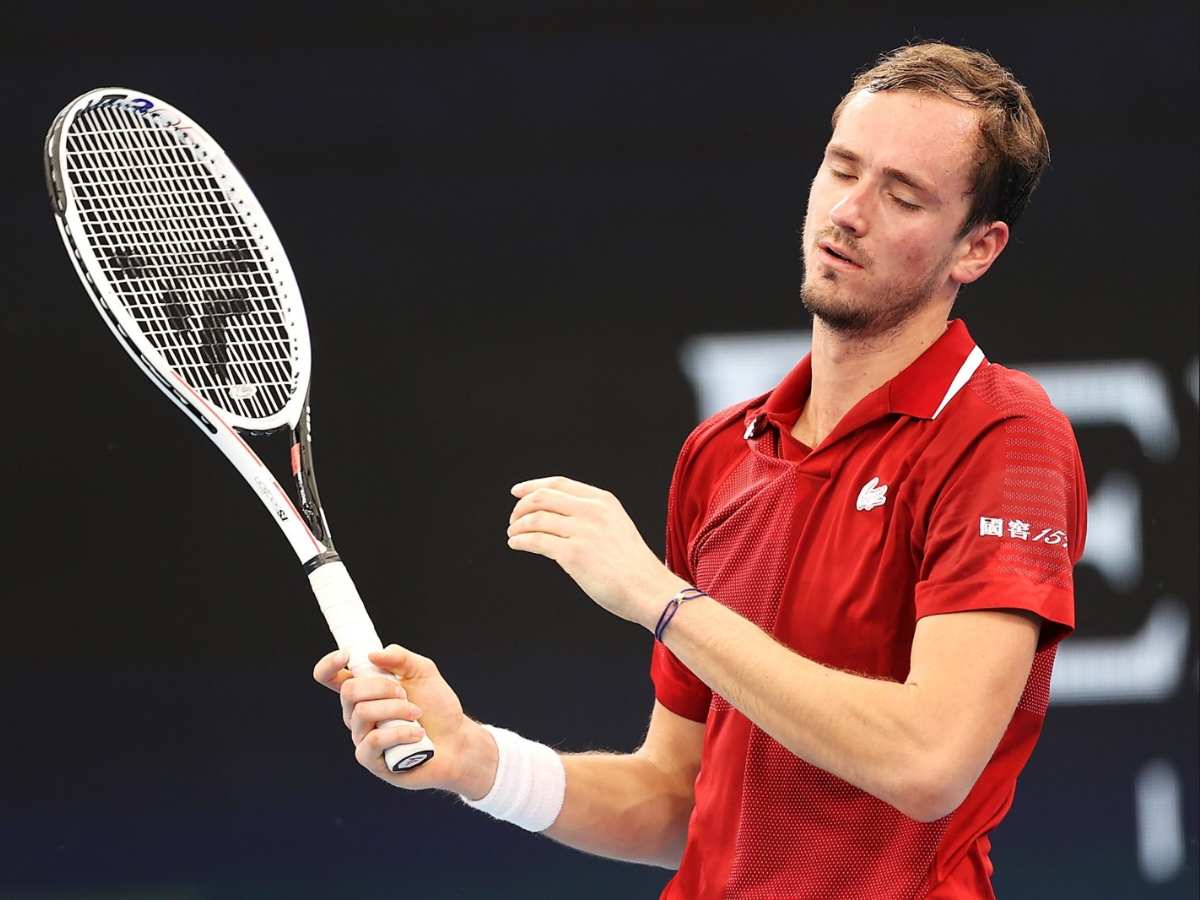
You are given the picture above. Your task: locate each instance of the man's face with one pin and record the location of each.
(891, 195)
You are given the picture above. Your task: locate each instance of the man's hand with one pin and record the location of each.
(465, 757)
(588, 533)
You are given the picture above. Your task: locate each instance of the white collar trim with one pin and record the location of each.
(970, 364)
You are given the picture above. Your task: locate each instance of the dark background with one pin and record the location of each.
(506, 220)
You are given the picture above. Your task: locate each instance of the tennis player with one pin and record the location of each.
(868, 569)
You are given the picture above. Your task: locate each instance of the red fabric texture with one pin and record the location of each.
(779, 533)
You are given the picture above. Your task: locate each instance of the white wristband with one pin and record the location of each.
(530, 783)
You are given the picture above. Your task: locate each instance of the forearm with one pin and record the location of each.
(866, 731)
(623, 806)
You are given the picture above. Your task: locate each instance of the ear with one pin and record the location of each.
(980, 248)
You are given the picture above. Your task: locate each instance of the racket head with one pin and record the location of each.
(179, 258)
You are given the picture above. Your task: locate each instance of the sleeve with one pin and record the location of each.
(675, 687)
(1008, 525)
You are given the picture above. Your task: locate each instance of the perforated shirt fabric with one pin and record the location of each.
(984, 508)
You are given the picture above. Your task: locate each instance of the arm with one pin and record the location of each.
(919, 746)
(633, 806)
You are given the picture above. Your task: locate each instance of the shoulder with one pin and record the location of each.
(1004, 401)
(728, 420)
(710, 449)
(1002, 421)
(719, 434)
(1006, 393)
(1007, 420)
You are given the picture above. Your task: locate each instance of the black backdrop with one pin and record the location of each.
(506, 227)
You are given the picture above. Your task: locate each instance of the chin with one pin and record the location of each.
(846, 320)
(860, 320)
(838, 313)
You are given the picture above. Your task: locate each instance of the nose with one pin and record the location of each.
(850, 213)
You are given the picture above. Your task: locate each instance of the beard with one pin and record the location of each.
(868, 313)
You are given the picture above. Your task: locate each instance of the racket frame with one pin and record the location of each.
(308, 536)
(306, 527)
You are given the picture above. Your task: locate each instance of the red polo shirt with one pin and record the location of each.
(955, 486)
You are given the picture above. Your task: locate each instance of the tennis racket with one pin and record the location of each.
(187, 272)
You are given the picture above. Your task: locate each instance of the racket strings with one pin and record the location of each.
(208, 333)
(202, 260)
(182, 258)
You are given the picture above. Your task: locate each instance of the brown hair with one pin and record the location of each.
(1013, 152)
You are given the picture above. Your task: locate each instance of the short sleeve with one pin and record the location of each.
(675, 687)
(1008, 525)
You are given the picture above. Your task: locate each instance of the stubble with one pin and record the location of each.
(867, 314)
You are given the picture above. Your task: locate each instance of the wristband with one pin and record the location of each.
(530, 784)
(683, 595)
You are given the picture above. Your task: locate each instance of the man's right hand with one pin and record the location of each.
(465, 757)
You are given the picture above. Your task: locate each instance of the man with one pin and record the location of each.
(868, 569)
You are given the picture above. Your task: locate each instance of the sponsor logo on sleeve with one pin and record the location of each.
(1018, 530)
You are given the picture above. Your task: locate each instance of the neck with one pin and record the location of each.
(847, 367)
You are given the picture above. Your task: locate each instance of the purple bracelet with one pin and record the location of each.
(668, 613)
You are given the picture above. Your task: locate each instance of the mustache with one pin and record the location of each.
(838, 237)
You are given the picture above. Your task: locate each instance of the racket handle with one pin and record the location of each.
(352, 629)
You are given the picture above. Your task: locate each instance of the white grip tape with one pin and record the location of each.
(352, 629)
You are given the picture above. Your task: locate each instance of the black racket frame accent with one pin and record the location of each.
(306, 487)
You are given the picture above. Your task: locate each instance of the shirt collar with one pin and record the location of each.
(933, 378)
(922, 389)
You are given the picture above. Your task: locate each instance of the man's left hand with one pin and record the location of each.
(588, 533)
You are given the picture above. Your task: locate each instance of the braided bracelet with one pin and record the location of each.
(668, 613)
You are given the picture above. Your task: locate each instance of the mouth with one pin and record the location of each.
(831, 255)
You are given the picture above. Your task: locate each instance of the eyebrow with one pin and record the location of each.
(896, 174)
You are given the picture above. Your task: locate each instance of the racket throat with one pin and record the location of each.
(306, 481)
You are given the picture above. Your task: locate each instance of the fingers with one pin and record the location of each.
(368, 714)
(558, 483)
(547, 545)
(375, 704)
(551, 500)
(405, 664)
(402, 662)
(544, 522)
(331, 670)
(370, 749)
(362, 690)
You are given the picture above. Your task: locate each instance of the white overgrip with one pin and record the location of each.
(352, 629)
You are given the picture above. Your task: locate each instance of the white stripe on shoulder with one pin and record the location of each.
(970, 364)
